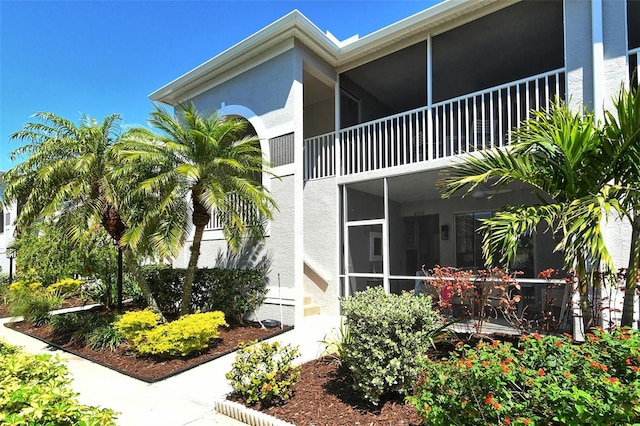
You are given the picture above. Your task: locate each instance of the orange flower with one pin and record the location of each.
(496, 405)
(507, 421)
(567, 375)
(537, 336)
(541, 372)
(558, 344)
(527, 421)
(635, 368)
(495, 343)
(627, 361)
(489, 398)
(612, 380)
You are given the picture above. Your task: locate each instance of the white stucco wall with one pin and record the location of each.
(266, 94)
(578, 53)
(615, 48)
(321, 242)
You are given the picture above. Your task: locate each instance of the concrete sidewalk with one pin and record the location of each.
(186, 399)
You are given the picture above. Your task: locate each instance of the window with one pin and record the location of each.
(469, 245)
(469, 240)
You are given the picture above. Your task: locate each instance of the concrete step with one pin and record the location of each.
(310, 308)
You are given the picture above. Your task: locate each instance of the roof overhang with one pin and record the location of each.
(341, 56)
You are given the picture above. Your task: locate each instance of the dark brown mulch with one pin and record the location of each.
(324, 397)
(4, 311)
(148, 369)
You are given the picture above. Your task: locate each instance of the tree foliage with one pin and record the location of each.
(212, 162)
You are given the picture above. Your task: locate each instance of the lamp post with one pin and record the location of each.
(11, 254)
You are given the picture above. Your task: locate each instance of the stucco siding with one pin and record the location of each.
(320, 243)
(578, 53)
(265, 90)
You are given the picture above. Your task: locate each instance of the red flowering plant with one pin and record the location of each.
(478, 297)
(542, 380)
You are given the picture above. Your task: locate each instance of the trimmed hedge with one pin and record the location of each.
(235, 292)
(182, 337)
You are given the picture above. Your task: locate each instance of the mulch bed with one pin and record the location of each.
(149, 369)
(323, 397)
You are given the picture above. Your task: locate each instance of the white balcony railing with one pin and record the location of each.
(319, 156)
(469, 123)
(215, 223)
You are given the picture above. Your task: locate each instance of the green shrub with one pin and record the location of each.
(386, 332)
(132, 323)
(264, 372)
(32, 302)
(235, 292)
(105, 337)
(80, 325)
(4, 287)
(335, 343)
(547, 380)
(188, 334)
(35, 390)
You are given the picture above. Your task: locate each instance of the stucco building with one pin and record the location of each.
(358, 130)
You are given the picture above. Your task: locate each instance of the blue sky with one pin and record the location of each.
(102, 57)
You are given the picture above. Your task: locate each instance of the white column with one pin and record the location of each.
(298, 187)
(598, 58)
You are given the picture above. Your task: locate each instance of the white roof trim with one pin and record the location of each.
(336, 53)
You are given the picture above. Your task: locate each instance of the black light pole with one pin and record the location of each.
(119, 286)
(11, 254)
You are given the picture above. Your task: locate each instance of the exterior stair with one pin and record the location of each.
(310, 308)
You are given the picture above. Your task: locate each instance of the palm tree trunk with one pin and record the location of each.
(142, 282)
(583, 291)
(632, 276)
(190, 273)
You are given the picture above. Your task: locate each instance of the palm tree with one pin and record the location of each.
(210, 160)
(67, 175)
(622, 150)
(557, 154)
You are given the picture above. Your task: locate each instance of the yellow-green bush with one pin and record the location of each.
(188, 334)
(65, 286)
(132, 323)
(22, 286)
(36, 390)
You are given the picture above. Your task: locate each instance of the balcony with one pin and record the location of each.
(465, 124)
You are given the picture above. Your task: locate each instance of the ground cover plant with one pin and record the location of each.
(542, 380)
(35, 389)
